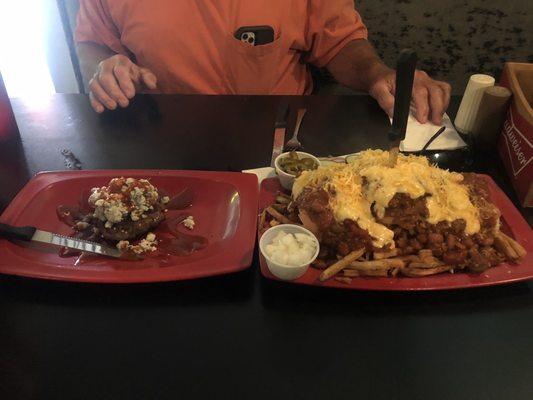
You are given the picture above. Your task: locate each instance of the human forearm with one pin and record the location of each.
(357, 65)
(90, 55)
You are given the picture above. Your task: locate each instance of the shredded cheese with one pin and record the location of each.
(349, 201)
(446, 198)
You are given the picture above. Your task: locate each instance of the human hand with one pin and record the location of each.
(116, 81)
(430, 97)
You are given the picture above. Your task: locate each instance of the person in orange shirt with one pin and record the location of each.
(169, 46)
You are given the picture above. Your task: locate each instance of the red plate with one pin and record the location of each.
(224, 208)
(513, 224)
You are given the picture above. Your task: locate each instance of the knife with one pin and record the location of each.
(405, 73)
(29, 233)
(280, 129)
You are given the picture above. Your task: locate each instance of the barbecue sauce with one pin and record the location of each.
(177, 243)
(181, 201)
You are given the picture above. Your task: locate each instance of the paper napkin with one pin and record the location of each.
(418, 134)
(262, 173)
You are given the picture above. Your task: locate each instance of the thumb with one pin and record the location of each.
(149, 78)
(383, 95)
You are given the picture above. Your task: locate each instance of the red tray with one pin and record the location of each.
(514, 224)
(224, 208)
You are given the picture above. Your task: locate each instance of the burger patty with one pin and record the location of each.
(89, 226)
(129, 230)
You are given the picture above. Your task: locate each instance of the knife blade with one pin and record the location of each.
(405, 73)
(280, 128)
(29, 233)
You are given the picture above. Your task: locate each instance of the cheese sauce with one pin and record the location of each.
(349, 201)
(446, 198)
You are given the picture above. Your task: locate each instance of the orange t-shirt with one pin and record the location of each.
(191, 48)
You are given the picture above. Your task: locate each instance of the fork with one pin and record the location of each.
(293, 144)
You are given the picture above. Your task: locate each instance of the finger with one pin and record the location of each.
(106, 78)
(447, 89)
(122, 74)
(96, 105)
(420, 100)
(382, 93)
(149, 78)
(135, 74)
(100, 94)
(436, 103)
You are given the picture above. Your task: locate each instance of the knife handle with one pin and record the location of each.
(282, 114)
(16, 232)
(405, 73)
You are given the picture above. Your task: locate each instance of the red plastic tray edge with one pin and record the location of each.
(519, 227)
(141, 276)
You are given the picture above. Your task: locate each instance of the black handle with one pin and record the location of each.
(283, 113)
(405, 74)
(16, 232)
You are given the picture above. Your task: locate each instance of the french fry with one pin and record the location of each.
(432, 259)
(380, 255)
(350, 272)
(410, 258)
(425, 264)
(425, 253)
(386, 263)
(281, 208)
(335, 268)
(375, 272)
(278, 216)
(504, 247)
(365, 272)
(517, 247)
(343, 279)
(262, 219)
(274, 222)
(308, 223)
(282, 199)
(418, 272)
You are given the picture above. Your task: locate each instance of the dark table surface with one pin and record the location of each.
(240, 336)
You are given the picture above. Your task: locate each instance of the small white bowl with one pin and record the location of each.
(286, 179)
(282, 271)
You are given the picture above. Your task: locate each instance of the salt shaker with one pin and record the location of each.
(489, 119)
(466, 116)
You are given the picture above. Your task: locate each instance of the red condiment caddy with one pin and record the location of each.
(516, 140)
